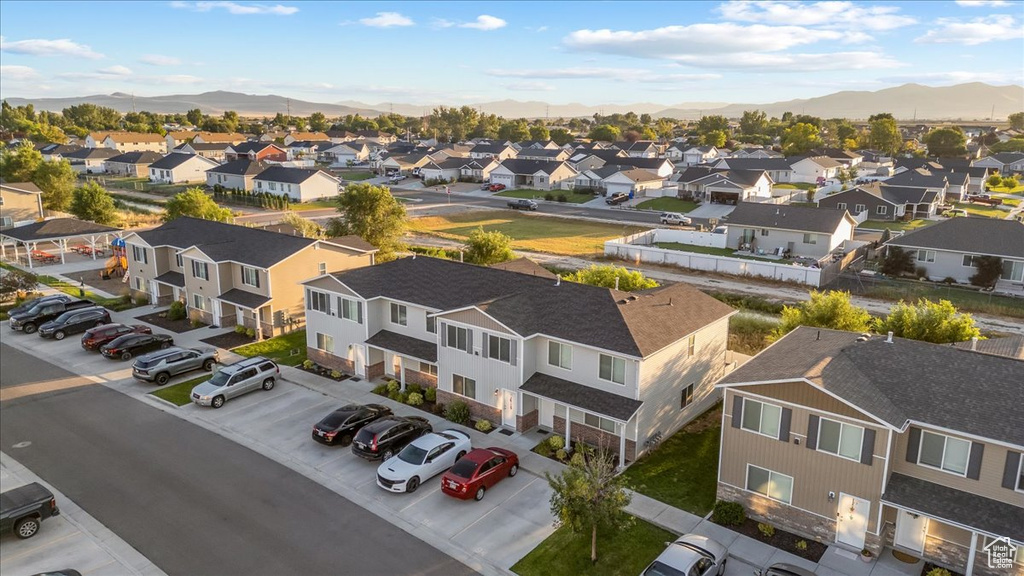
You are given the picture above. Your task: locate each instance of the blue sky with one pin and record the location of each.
(465, 52)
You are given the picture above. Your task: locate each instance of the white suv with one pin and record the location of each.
(675, 218)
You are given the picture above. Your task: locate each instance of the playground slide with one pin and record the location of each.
(115, 264)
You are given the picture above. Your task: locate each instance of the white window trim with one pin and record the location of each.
(1020, 471)
(945, 443)
(770, 472)
(882, 210)
(842, 425)
(254, 273)
(391, 314)
(344, 305)
(560, 344)
(464, 378)
(760, 420)
(491, 351)
(612, 374)
(926, 253)
(328, 339)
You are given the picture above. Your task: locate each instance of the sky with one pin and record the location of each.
(469, 52)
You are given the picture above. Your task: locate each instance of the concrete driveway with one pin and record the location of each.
(708, 211)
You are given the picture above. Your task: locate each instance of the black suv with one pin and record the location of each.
(124, 347)
(340, 426)
(42, 312)
(386, 437)
(617, 198)
(28, 304)
(74, 322)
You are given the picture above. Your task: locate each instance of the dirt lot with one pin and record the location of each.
(113, 286)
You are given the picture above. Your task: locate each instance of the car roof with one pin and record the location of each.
(783, 568)
(432, 440)
(385, 423)
(679, 557)
(481, 455)
(247, 363)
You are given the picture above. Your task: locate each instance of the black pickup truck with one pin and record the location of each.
(22, 510)
(522, 204)
(30, 320)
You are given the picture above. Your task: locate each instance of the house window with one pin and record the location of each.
(325, 342)
(428, 368)
(613, 369)
(560, 355)
(198, 302)
(691, 345)
(499, 348)
(761, 418)
(179, 260)
(810, 238)
(881, 210)
(771, 484)
(764, 231)
(138, 283)
(352, 310)
(944, 452)
(200, 270)
(431, 324)
(250, 276)
(322, 268)
(926, 255)
(398, 314)
(840, 439)
(318, 301)
(595, 421)
(464, 386)
(968, 261)
(859, 208)
(686, 396)
(273, 185)
(458, 338)
(139, 254)
(841, 205)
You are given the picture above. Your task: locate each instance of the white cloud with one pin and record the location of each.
(117, 70)
(980, 3)
(618, 74)
(955, 77)
(824, 14)
(788, 62)
(14, 73)
(235, 8)
(40, 47)
(530, 86)
(485, 22)
(160, 60)
(387, 20)
(973, 32)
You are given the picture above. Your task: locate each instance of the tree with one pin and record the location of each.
(589, 494)
(885, 134)
(897, 261)
(716, 138)
(307, 228)
(1009, 182)
(1016, 120)
(753, 122)
(514, 130)
(195, 203)
(318, 122)
(91, 202)
(57, 181)
(488, 247)
(20, 163)
(936, 322)
(994, 180)
(15, 281)
(711, 123)
(194, 116)
(989, 269)
(540, 133)
(561, 136)
(946, 142)
(372, 213)
(831, 309)
(608, 276)
(605, 132)
(800, 138)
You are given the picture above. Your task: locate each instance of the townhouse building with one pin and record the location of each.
(610, 368)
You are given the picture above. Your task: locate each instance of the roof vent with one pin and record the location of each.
(974, 343)
(862, 338)
(888, 339)
(558, 281)
(616, 282)
(632, 298)
(413, 255)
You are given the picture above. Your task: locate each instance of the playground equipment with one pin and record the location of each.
(118, 261)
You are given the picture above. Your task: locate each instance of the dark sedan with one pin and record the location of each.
(124, 347)
(339, 427)
(94, 338)
(387, 436)
(74, 322)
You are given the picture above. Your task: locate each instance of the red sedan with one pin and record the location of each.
(96, 337)
(477, 471)
(497, 187)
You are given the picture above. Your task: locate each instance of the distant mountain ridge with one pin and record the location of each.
(972, 101)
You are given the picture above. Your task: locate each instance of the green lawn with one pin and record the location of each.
(908, 226)
(528, 231)
(982, 210)
(1005, 190)
(570, 197)
(795, 186)
(1014, 202)
(667, 205)
(179, 393)
(696, 249)
(683, 470)
(313, 205)
(279, 349)
(115, 304)
(625, 552)
(355, 176)
(964, 299)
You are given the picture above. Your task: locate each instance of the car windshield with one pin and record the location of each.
(146, 362)
(464, 468)
(220, 378)
(337, 418)
(661, 569)
(63, 318)
(412, 454)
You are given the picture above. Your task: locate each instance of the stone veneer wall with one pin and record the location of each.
(951, 555)
(343, 365)
(477, 410)
(422, 378)
(527, 421)
(595, 437)
(375, 370)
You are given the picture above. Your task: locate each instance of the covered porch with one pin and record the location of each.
(55, 241)
(404, 358)
(168, 287)
(241, 308)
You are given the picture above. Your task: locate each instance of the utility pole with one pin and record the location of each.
(992, 115)
(133, 102)
(289, 104)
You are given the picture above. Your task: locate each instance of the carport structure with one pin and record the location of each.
(58, 232)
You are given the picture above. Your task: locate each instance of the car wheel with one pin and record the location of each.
(29, 328)
(26, 527)
(513, 470)
(162, 378)
(126, 355)
(218, 401)
(345, 440)
(59, 335)
(388, 454)
(461, 454)
(412, 484)
(721, 569)
(208, 365)
(479, 494)
(268, 384)
(164, 345)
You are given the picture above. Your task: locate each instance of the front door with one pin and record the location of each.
(508, 408)
(910, 531)
(852, 520)
(358, 360)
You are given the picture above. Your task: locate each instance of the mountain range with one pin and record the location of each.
(972, 101)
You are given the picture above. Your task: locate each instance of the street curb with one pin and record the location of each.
(153, 398)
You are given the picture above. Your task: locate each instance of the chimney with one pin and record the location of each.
(974, 343)
(670, 301)
(558, 282)
(413, 255)
(818, 337)
(888, 339)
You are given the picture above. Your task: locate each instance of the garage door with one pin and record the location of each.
(505, 179)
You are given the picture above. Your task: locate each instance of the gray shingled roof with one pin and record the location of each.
(590, 399)
(800, 218)
(92, 154)
(531, 166)
(964, 508)
(287, 174)
(246, 147)
(223, 242)
(970, 236)
(1009, 346)
(770, 164)
(135, 158)
(57, 228)
(244, 299)
(172, 278)
(405, 345)
(242, 166)
(900, 381)
(920, 178)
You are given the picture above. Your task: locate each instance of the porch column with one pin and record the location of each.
(622, 445)
(568, 425)
(63, 244)
(401, 371)
(92, 245)
(972, 553)
(28, 252)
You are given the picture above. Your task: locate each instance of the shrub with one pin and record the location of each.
(307, 364)
(766, 530)
(430, 394)
(398, 396)
(335, 374)
(176, 311)
(549, 197)
(438, 409)
(728, 513)
(239, 329)
(801, 545)
(556, 442)
(483, 426)
(562, 198)
(414, 399)
(865, 552)
(457, 412)
(578, 459)
(381, 389)
(394, 386)
(938, 572)
(544, 449)
(141, 300)
(196, 323)
(251, 333)
(949, 280)
(921, 272)
(414, 389)
(561, 454)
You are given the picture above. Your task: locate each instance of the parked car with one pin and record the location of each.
(424, 458)
(23, 509)
(496, 187)
(617, 198)
(955, 213)
(124, 347)
(74, 322)
(522, 204)
(478, 471)
(161, 365)
(340, 427)
(485, 186)
(100, 335)
(236, 379)
(784, 570)
(387, 436)
(984, 199)
(675, 218)
(30, 320)
(28, 304)
(691, 555)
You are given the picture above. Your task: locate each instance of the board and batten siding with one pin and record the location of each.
(814, 473)
(476, 318)
(586, 366)
(490, 374)
(809, 396)
(345, 332)
(415, 320)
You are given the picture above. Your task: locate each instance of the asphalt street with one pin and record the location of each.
(190, 500)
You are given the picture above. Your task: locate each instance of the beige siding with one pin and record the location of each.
(234, 270)
(330, 285)
(809, 396)
(146, 271)
(284, 278)
(19, 206)
(814, 473)
(476, 318)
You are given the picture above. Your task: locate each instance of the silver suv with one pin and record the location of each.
(236, 379)
(160, 366)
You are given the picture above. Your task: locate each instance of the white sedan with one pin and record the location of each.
(690, 555)
(424, 458)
